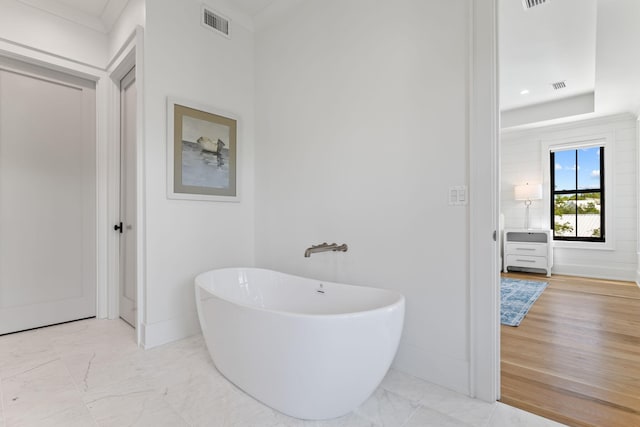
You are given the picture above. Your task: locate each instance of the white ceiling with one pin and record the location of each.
(590, 44)
(99, 15)
(98, 7)
(92, 7)
(553, 42)
(102, 14)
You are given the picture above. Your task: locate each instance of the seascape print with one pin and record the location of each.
(205, 153)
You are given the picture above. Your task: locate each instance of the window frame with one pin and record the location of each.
(573, 139)
(601, 190)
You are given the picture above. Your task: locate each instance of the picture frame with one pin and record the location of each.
(202, 152)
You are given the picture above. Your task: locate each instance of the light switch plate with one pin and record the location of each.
(458, 195)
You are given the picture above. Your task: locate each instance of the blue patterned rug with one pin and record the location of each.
(516, 298)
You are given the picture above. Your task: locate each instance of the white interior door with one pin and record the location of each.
(128, 304)
(47, 197)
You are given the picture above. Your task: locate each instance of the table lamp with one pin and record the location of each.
(527, 193)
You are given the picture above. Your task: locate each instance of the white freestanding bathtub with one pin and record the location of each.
(307, 348)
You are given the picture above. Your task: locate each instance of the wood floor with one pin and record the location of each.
(575, 358)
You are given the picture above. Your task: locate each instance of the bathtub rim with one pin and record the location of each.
(399, 300)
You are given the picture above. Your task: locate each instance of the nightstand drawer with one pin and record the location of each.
(526, 261)
(531, 249)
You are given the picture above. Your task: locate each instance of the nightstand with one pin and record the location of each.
(528, 249)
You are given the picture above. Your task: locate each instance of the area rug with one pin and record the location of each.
(516, 298)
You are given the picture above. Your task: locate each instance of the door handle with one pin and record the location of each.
(118, 227)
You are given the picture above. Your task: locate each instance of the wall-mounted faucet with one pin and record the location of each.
(325, 247)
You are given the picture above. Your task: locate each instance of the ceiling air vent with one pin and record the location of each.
(559, 85)
(528, 4)
(215, 22)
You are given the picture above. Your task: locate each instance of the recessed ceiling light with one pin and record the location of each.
(524, 92)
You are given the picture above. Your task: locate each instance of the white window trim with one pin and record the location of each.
(605, 140)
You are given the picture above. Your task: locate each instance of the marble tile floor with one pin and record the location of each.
(91, 373)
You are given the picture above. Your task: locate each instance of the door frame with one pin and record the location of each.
(126, 163)
(129, 56)
(484, 203)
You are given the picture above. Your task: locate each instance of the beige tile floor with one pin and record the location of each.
(91, 373)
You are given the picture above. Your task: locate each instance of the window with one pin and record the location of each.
(577, 194)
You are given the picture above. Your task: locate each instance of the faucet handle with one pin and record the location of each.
(342, 248)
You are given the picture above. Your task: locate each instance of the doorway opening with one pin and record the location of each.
(568, 87)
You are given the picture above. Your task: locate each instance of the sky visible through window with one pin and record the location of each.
(588, 169)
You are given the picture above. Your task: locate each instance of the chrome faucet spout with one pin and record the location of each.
(325, 247)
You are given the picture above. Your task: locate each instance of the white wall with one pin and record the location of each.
(522, 161)
(183, 59)
(362, 123)
(46, 32)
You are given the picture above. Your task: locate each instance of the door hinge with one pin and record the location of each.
(495, 235)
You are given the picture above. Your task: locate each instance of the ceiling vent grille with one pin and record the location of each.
(528, 4)
(559, 85)
(215, 22)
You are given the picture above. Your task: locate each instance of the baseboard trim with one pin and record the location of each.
(166, 331)
(608, 273)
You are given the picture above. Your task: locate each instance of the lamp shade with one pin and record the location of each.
(528, 191)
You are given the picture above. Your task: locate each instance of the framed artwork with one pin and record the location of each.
(202, 153)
